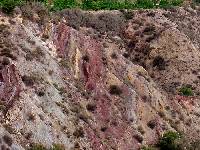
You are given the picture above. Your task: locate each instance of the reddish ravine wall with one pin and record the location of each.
(118, 133)
(10, 85)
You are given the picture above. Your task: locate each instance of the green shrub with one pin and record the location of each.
(186, 91)
(169, 141)
(177, 2)
(112, 4)
(8, 6)
(88, 4)
(147, 148)
(36, 146)
(57, 147)
(164, 3)
(145, 4)
(169, 3)
(63, 4)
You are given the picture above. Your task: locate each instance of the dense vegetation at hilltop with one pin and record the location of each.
(8, 5)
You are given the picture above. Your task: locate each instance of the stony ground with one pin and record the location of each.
(98, 80)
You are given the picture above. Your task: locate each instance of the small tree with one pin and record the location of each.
(169, 141)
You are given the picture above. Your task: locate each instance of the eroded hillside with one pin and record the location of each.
(98, 80)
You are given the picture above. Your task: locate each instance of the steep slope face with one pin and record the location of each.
(171, 57)
(102, 83)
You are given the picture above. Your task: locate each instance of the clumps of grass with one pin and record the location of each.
(91, 107)
(4, 147)
(86, 58)
(139, 138)
(162, 114)
(149, 30)
(76, 108)
(40, 93)
(152, 124)
(80, 112)
(186, 91)
(64, 63)
(5, 61)
(7, 53)
(141, 130)
(79, 133)
(8, 140)
(59, 88)
(63, 107)
(114, 56)
(159, 62)
(194, 145)
(2, 105)
(30, 116)
(127, 14)
(104, 128)
(76, 145)
(28, 80)
(9, 128)
(37, 54)
(28, 135)
(115, 90)
(45, 37)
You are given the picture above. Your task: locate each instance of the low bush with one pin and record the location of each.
(186, 91)
(115, 90)
(169, 141)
